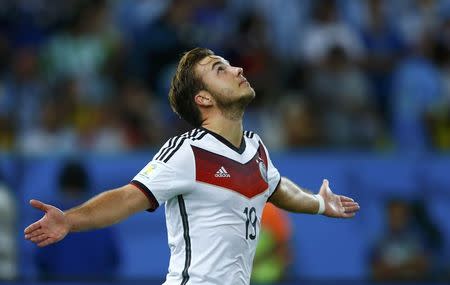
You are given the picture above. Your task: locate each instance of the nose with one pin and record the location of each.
(239, 71)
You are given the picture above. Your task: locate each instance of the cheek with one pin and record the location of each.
(223, 96)
(215, 84)
(227, 92)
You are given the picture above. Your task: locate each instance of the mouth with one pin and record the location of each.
(243, 82)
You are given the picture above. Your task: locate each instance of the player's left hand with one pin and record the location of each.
(337, 206)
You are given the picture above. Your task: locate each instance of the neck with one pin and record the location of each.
(230, 129)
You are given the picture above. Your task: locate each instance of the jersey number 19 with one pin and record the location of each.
(251, 220)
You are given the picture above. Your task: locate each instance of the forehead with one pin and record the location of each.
(208, 62)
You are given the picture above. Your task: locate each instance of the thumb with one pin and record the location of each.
(39, 205)
(325, 183)
(324, 188)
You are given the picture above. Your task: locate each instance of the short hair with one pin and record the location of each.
(186, 84)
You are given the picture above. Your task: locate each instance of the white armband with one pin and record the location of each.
(321, 204)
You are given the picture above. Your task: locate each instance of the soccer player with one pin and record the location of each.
(214, 181)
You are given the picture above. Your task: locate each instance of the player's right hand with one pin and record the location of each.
(51, 228)
(337, 206)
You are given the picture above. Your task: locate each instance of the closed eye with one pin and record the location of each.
(220, 69)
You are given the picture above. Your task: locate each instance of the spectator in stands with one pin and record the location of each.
(82, 49)
(8, 249)
(417, 17)
(42, 43)
(87, 255)
(402, 253)
(157, 46)
(326, 31)
(438, 121)
(299, 123)
(53, 134)
(432, 236)
(384, 47)
(417, 89)
(22, 91)
(140, 109)
(342, 93)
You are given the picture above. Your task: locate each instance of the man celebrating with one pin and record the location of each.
(214, 181)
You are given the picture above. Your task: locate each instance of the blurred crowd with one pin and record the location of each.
(343, 74)
(411, 247)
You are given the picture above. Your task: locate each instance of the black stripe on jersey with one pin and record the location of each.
(187, 240)
(200, 136)
(179, 144)
(174, 144)
(249, 134)
(195, 134)
(164, 150)
(276, 189)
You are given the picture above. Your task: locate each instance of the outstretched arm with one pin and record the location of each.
(103, 210)
(291, 197)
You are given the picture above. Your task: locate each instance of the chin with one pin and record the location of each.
(248, 96)
(248, 91)
(251, 93)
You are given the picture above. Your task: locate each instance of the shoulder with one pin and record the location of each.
(250, 134)
(253, 138)
(177, 146)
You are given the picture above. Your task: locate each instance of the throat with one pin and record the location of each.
(234, 113)
(233, 135)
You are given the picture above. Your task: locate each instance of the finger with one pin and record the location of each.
(46, 242)
(345, 199)
(352, 209)
(32, 227)
(325, 183)
(34, 233)
(39, 205)
(348, 215)
(349, 204)
(39, 238)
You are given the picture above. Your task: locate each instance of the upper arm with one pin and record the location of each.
(163, 179)
(136, 199)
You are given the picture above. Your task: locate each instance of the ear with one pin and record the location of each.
(203, 99)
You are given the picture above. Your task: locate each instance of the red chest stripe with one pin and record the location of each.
(246, 179)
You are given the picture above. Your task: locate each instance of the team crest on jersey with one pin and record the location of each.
(262, 169)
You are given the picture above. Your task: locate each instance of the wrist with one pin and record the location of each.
(70, 227)
(321, 201)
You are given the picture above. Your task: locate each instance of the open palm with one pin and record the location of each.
(51, 228)
(337, 206)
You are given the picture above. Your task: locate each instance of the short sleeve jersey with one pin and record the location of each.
(214, 195)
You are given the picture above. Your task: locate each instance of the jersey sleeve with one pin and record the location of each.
(168, 175)
(273, 176)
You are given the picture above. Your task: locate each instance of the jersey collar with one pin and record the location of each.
(223, 140)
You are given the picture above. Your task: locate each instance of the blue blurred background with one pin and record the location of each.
(354, 91)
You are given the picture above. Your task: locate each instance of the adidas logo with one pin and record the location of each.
(222, 172)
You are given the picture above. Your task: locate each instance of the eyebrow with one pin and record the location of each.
(219, 62)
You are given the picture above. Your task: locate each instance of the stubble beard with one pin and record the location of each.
(231, 108)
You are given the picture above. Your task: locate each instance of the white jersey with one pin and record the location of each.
(214, 195)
